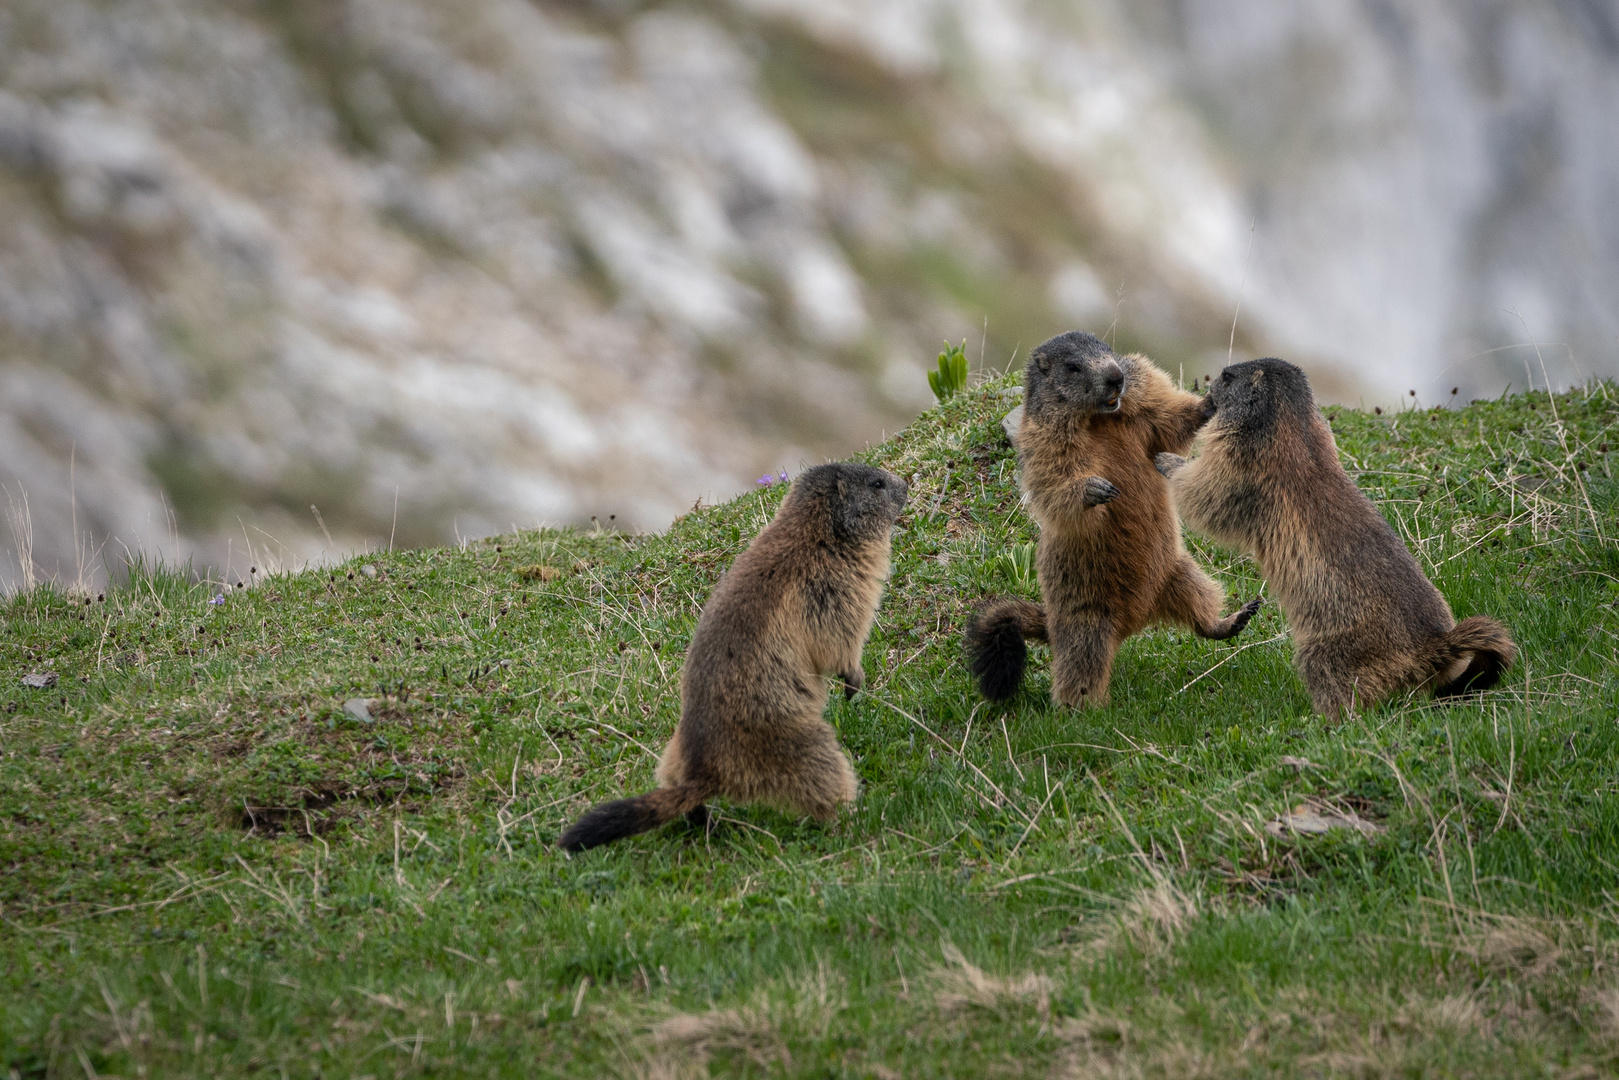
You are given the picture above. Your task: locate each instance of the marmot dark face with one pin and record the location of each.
(1073, 372)
(864, 501)
(1254, 396)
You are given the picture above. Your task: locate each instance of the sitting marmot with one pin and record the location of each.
(1110, 557)
(1366, 622)
(796, 606)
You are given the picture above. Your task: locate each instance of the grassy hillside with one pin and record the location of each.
(211, 867)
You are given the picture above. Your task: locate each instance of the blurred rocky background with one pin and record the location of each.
(443, 267)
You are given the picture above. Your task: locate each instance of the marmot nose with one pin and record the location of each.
(1113, 379)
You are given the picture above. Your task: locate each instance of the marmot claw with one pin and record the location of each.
(1099, 491)
(1168, 464)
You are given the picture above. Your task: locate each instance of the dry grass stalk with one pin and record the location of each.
(21, 521)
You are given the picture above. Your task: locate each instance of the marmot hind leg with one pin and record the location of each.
(1082, 662)
(1192, 598)
(809, 774)
(824, 781)
(1342, 678)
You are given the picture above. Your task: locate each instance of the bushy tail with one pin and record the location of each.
(1485, 645)
(996, 653)
(626, 817)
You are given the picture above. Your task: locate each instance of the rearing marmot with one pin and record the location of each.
(1110, 556)
(1366, 622)
(796, 606)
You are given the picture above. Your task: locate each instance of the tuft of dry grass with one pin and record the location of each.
(1525, 946)
(1303, 1032)
(1153, 918)
(21, 521)
(963, 987)
(1454, 1015)
(683, 1045)
(1518, 945)
(1603, 1004)
(692, 1039)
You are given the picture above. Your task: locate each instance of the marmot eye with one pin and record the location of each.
(1073, 369)
(1226, 376)
(878, 484)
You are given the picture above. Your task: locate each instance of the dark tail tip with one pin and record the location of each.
(996, 654)
(608, 822)
(1493, 654)
(1484, 671)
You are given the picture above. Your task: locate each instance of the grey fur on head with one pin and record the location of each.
(1075, 373)
(1253, 396)
(864, 501)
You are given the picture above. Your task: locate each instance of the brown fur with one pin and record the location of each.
(1110, 556)
(1366, 622)
(796, 606)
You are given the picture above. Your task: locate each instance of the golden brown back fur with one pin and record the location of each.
(1366, 622)
(1110, 557)
(796, 606)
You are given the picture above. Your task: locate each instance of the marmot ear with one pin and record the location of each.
(843, 487)
(1042, 361)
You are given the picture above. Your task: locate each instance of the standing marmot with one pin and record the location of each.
(1366, 622)
(1110, 558)
(797, 605)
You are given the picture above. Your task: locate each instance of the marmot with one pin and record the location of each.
(796, 606)
(1110, 559)
(1366, 622)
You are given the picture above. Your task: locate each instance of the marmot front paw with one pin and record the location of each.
(1168, 464)
(1247, 612)
(1099, 491)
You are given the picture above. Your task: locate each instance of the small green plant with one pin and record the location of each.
(951, 378)
(1018, 566)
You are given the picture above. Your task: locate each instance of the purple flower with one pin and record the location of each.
(784, 476)
(220, 599)
(766, 480)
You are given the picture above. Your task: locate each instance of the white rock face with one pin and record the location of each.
(443, 267)
(1393, 190)
(237, 279)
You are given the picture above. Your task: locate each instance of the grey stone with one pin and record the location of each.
(39, 680)
(359, 708)
(1012, 423)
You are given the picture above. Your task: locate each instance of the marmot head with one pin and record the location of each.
(861, 502)
(1252, 399)
(1073, 372)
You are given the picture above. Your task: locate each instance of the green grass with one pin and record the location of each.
(211, 869)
